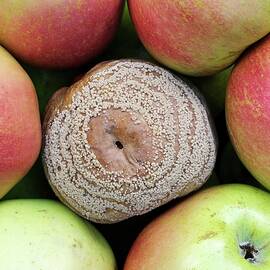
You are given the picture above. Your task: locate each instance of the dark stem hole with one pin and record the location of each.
(249, 252)
(119, 145)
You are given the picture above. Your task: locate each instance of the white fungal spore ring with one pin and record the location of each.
(182, 142)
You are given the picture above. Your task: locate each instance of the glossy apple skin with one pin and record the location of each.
(248, 110)
(58, 33)
(204, 232)
(20, 128)
(44, 234)
(199, 37)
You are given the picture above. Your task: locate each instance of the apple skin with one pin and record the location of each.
(199, 37)
(205, 232)
(20, 128)
(248, 110)
(44, 234)
(34, 184)
(58, 33)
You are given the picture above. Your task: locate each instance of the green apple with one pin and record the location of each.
(45, 235)
(213, 89)
(48, 81)
(224, 227)
(126, 43)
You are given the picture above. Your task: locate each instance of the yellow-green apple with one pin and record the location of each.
(248, 110)
(44, 234)
(224, 227)
(199, 37)
(20, 129)
(58, 33)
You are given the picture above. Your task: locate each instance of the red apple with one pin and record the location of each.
(58, 33)
(199, 37)
(248, 110)
(20, 130)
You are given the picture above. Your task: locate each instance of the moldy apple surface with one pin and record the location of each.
(125, 139)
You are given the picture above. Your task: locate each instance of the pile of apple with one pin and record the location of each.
(222, 47)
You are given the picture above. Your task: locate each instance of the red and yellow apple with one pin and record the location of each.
(224, 227)
(199, 37)
(248, 110)
(58, 33)
(20, 129)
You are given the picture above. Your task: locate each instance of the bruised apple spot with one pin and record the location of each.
(122, 141)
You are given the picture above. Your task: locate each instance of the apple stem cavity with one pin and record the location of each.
(249, 252)
(119, 145)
